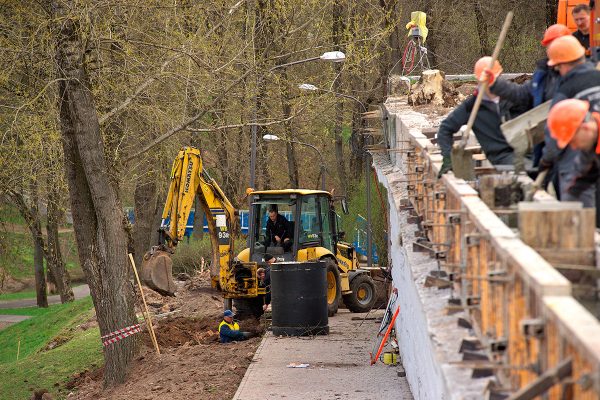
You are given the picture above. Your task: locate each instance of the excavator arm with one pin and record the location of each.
(188, 179)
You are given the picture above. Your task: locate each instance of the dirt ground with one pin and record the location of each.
(192, 365)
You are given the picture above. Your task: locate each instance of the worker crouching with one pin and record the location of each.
(229, 330)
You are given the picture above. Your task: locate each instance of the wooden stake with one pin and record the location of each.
(18, 349)
(146, 314)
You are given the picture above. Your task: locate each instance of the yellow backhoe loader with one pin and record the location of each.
(312, 227)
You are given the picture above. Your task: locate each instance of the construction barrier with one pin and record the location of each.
(534, 332)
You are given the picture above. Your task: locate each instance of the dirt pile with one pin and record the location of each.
(192, 365)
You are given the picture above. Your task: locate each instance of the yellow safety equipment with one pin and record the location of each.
(418, 20)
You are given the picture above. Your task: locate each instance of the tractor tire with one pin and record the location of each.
(334, 289)
(363, 296)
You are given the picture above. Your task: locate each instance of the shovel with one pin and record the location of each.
(462, 160)
(537, 184)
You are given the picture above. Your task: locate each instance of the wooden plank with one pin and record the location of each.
(545, 381)
(485, 219)
(576, 324)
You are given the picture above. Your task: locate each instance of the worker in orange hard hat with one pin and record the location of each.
(539, 89)
(576, 173)
(572, 123)
(492, 113)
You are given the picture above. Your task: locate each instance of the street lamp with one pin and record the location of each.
(329, 56)
(313, 88)
(274, 138)
(367, 157)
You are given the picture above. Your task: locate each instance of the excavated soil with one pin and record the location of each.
(192, 365)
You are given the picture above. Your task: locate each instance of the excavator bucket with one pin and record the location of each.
(157, 272)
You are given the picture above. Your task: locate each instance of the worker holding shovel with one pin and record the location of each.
(492, 113)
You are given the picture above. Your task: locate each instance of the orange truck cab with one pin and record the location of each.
(565, 17)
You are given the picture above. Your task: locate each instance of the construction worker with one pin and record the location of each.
(278, 230)
(229, 330)
(264, 279)
(581, 17)
(572, 123)
(539, 89)
(579, 79)
(492, 113)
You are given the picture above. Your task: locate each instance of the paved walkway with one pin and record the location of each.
(338, 366)
(79, 292)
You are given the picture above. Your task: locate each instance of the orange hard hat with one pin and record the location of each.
(563, 50)
(565, 118)
(483, 63)
(553, 32)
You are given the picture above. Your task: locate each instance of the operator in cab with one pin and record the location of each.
(278, 230)
(229, 330)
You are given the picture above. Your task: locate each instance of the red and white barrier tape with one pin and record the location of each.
(121, 336)
(119, 331)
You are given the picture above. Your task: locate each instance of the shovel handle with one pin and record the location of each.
(484, 85)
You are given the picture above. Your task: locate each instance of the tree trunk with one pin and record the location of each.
(95, 204)
(38, 250)
(144, 199)
(286, 108)
(54, 259)
(551, 12)
(198, 221)
(337, 33)
(482, 29)
(30, 214)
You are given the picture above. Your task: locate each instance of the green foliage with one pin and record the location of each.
(11, 215)
(26, 294)
(36, 332)
(357, 205)
(16, 255)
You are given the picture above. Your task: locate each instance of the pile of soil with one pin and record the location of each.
(192, 365)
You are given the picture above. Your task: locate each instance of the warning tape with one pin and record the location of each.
(121, 336)
(118, 331)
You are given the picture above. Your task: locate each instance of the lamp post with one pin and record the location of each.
(330, 56)
(274, 138)
(367, 157)
(313, 88)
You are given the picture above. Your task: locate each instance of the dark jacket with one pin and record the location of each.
(486, 128)
(583, 39)
(278, 228)
(539, 89)
(582, 82)
(267, 285)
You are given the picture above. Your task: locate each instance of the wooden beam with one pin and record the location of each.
(544, 382)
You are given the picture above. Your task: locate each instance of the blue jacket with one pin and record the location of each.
(229, 332)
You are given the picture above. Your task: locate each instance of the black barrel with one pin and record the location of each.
(299, 298)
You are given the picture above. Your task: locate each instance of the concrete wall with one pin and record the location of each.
(429, 339)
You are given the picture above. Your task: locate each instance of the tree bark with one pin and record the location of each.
(482, 29)
(41, 293)
(551, 11)
(54, 259)
(337, 33)
(144, 198)
(95, 204)
(31, 215)
(286, 108)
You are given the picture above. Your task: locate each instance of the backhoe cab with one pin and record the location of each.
(312, 230)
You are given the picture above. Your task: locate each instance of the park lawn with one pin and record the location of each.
(25, 294)
(31, 311)
(42, 369)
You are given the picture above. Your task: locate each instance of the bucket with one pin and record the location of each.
(390, 358)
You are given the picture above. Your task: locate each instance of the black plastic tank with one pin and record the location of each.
(299, 298)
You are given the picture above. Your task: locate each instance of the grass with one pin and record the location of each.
(26, 294)
(36, 332)
(36, 368)
(32, 311)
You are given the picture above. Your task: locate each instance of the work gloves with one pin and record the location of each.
(446, 166)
